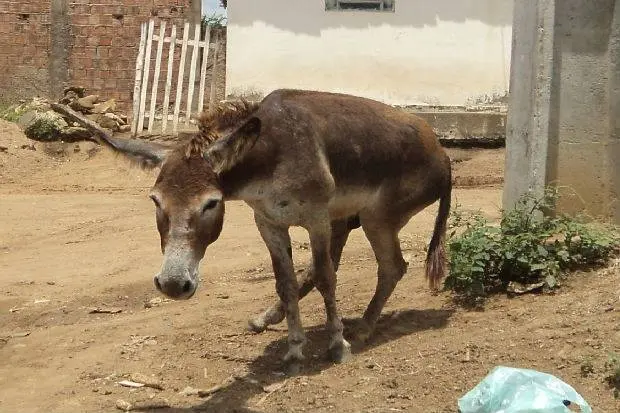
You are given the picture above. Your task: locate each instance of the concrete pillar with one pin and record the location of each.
(614, 118)
(195, 14)
(562, 120)
(60, 47)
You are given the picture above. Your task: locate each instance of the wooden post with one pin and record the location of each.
(138, 80)
(145, 77)
(212, 95)
(173, 44)
(177, 103)
(160, 46)
(203, 70)
(192, 74)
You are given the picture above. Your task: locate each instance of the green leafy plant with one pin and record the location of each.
(45, 126)
(612, 377)
(11, 113)
(214, 20)
(529, 249)
(587, 367)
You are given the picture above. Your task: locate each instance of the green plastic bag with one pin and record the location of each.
(512, 390)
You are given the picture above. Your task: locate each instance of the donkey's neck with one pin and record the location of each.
(248, 180)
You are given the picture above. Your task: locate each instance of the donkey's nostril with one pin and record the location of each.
(187, 286)
(157, 285)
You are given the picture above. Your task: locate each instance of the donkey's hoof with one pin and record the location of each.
(356, 330)
(257, 325)
(339, 352)
(292, 368)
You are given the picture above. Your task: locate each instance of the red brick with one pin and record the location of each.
(102, 52)
(97, 9)
(80, 19)
(79, 74)
(81, 9)
(105, 41)
(92, 41)
(111, 83)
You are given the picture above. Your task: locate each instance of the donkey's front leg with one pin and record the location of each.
(325, 281)
(278, 242)
(276, 313)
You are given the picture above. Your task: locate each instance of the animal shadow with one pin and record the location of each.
(265, 371)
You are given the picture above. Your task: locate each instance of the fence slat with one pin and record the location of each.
(203, 70)
(192, 74)
(178, 42)
(145, 77)
(177, 103)
(138, 79)
(214, 73)
(201, 47)
(173, 36)
(160, 46)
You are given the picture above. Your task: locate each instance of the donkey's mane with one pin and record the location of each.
(210, 124)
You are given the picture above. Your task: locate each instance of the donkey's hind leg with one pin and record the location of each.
(276, 313)
(383, 238)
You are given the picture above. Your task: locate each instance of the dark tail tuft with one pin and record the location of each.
(436, 256)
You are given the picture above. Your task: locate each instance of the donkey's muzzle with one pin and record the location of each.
(175, 288)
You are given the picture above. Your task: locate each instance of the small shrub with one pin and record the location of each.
(215, 20)
(587, 367)
(528, 247)
(11, 113)
(45, 126)
(612, 377)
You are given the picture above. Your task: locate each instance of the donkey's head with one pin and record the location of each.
(188, 197)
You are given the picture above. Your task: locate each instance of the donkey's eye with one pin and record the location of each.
(212, 203)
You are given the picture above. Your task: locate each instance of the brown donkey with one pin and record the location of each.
(326, 162)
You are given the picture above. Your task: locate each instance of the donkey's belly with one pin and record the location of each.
(350, 201)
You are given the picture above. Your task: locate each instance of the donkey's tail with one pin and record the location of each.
(436, 256)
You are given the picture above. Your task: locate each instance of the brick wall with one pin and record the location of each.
(106, 37)
(24, 44)
(101, 48)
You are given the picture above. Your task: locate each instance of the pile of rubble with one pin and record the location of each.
(40, 122)
(99, 111)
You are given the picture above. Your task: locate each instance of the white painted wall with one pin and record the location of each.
(444, 52)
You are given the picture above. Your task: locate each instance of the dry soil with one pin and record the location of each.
(77, 233)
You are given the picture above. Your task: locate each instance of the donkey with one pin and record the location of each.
(326, 162)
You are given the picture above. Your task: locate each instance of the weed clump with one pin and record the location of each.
(612, 377)
(14, 113)
(528, 250)
(45, 126)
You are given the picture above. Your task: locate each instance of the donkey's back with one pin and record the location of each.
(376, 156)
(359, 135)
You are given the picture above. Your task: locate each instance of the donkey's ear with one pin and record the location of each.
(225, 153)
(147, 155)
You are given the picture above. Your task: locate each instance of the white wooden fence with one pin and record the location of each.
(143, 81)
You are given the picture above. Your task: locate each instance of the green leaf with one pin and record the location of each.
(563, 254)
(551, 281)
(522, 260)
(539, 267)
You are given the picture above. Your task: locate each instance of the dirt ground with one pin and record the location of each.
(77, 232)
